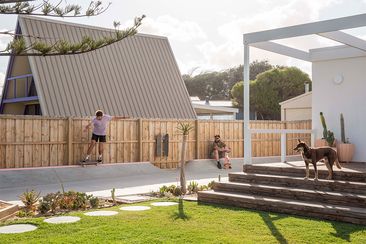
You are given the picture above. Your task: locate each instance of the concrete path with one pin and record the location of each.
(126, 178)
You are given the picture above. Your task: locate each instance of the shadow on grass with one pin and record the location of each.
(344, 230)
(268, 220)
(180, 214)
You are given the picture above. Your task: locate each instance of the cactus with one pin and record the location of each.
(325, 131)
(330, 138)
(327, 134)
(343, 136)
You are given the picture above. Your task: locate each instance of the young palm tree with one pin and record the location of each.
(184, 128)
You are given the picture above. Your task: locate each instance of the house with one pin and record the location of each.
(137, 77)
(216, 109)
(338, 76)
(297, 108)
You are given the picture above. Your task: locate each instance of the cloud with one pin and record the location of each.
(173, 28)
(230, 51)
(4, 40)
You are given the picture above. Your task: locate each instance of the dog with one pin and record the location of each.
(313, 155)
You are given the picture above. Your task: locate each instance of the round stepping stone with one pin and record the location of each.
(135, 208)
(163, 204)
(13, 229)
(101, 213)
(62, 220)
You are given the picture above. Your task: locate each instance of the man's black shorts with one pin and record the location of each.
(98, 138)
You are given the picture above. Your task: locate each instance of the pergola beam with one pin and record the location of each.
(283, 50)
(306, 29)
(346, 39)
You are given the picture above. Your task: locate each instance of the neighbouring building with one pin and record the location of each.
(297, 108)
(216, 110)
(137, 77)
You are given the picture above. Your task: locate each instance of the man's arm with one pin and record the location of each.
(88, 126)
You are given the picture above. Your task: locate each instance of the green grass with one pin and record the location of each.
(190, 222)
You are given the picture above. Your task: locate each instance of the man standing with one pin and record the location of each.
(99, 123)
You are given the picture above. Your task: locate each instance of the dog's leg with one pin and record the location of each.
(307, 170)
(315, 172)
(329, 167)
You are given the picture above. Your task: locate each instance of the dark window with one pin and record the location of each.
(32, 90)
(32, 109)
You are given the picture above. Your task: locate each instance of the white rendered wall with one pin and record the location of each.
(348, 98)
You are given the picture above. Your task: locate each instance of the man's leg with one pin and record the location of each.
(216, 156)
(101, 149)
(90, 149)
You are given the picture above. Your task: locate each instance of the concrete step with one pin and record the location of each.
(289, 206)
(300, 172)
(338, 198)
(299, 182)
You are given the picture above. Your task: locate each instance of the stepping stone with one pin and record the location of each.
(62, 220)
(135, 208)
(132, 198)
(21, 228)
(163, 204)
(101, 213)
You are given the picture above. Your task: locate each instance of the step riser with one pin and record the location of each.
(281, 207)
(346, 187)
(292, 194)
(298, 172)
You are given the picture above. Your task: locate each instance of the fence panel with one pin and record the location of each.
(35, 141)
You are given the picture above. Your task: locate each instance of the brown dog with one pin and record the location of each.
(312, 155)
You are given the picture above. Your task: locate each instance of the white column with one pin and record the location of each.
(246, 113)
(283, 147)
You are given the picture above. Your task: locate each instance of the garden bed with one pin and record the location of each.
(7, 210)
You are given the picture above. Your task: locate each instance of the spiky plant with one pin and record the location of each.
(30, 200)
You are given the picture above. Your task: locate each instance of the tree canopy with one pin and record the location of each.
(42, 46)
(217, 85)
(270, 88)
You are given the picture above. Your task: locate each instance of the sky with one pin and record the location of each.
(207, 35)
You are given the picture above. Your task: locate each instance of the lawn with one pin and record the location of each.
(190, 222)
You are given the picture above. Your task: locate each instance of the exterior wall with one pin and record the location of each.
(347, 98)
(293, 114)
(297, 108)
(20, 67)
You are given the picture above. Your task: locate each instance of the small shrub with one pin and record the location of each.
(94, 202)
(177, 191)
(211, 185)
(23, 214)
(168, 194)
(203, 188)
(171, 189)
(163, 190)
(50, 202)
(30, 200)
(72, 200)
(192, 187)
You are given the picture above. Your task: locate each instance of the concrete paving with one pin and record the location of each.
(62, 220)
(17, 228)
(126, 178)
(101, 213)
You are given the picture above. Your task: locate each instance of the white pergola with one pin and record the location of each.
(351, 47)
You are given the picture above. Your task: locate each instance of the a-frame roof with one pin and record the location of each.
(136, 77)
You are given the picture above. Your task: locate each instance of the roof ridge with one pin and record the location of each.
(43, 18)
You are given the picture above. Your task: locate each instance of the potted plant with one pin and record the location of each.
(328, 136)
(345, 149)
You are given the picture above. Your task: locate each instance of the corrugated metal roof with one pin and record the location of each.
(136, 77)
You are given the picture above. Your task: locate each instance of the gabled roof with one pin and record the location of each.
(296, 98)
(136, 77)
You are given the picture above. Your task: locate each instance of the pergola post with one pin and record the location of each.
(246, 113)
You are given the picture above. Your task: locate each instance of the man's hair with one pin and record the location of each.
(99, 113)
(217, 136)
